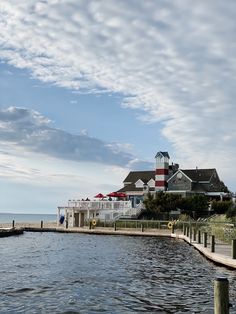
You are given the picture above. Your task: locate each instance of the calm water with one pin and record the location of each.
(7, 218)
(74, 273)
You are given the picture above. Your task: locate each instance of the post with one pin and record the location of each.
(221, 296)
(90, 224)
(194, 234)
(205, 239)
(234, 248)
(66, 224)
(173, 228)
(141, 227)
(114, 226)
(213, 244)
(199, 237)
(41, 224)
(190, 233)
(13, 223)
(187, 231)
(184, 230)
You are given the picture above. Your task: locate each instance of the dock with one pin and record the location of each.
(7, 232)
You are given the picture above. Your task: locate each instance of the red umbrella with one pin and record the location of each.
(113, 194)
(99, 195)
(121, 194)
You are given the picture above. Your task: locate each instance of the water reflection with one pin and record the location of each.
(73, 273)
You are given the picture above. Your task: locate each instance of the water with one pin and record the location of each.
(75, 273)
(8, 217)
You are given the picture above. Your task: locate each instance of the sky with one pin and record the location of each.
(90, 90)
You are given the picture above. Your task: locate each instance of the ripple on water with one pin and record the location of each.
(73, 273)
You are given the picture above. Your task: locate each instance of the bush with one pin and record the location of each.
(221, 207)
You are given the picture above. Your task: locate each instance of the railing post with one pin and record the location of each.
(199, 237)
(234, 248)
(221, 296)
(213, 244)
(194, 234)
(205, 239)
(41, 224)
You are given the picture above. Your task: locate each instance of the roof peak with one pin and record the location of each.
(164, 154)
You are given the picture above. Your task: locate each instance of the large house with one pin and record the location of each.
(168, 177)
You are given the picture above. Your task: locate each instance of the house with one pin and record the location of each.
(168, 177)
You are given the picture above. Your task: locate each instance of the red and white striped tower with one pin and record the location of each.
(162, 171)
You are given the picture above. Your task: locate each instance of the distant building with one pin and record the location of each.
(171, 179)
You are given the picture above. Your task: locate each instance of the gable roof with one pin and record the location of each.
(164, 154)
(134, 176)
(199, 175)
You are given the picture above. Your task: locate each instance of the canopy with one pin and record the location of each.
(99, 195)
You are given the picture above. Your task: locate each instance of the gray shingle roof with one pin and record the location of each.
(199, 174)
(145, 176)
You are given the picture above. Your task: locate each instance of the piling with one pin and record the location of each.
(194, 234)
(199, 237)
(173, 228)
(234, 248)
(221, 296)
(114, 226)
(141, 227)
(13, 223)
(205, 239)
(213, 244)
(41, 224)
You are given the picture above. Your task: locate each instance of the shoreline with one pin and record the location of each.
(220, 259)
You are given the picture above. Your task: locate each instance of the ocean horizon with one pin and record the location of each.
(25, 217)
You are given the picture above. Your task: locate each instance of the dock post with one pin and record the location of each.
(199, 237)
(173, 228)
(205, 239)
(194, 234)
(184, 229)
(234, 248)
(41, 224)
(141, 227)
(187, 231)
(114, 226)
(221, 296)
(190, 233)
(213, 244)
(13, 223)
(90, 224)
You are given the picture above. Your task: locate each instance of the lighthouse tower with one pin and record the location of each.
(162, 171)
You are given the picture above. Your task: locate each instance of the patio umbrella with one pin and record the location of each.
(99, 195)
(121, 194)
(113, 194)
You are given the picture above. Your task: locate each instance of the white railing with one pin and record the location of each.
(99, 205)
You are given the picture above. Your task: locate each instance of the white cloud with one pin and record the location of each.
(173, 59)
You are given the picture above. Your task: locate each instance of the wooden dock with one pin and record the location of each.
(7, 232)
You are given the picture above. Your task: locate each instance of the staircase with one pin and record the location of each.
(131, 213)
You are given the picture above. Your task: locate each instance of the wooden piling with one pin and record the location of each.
(194, 234)
(205, 239)
(213, 244)
(41, 224)
(199, 237)
(114, 226)
(234, 248)
(221, 296)
(13, 223)
(141, 227)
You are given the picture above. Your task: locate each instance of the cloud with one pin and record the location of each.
(30, 130)
(175, 60)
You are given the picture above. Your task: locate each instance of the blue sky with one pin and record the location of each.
(92, 89)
